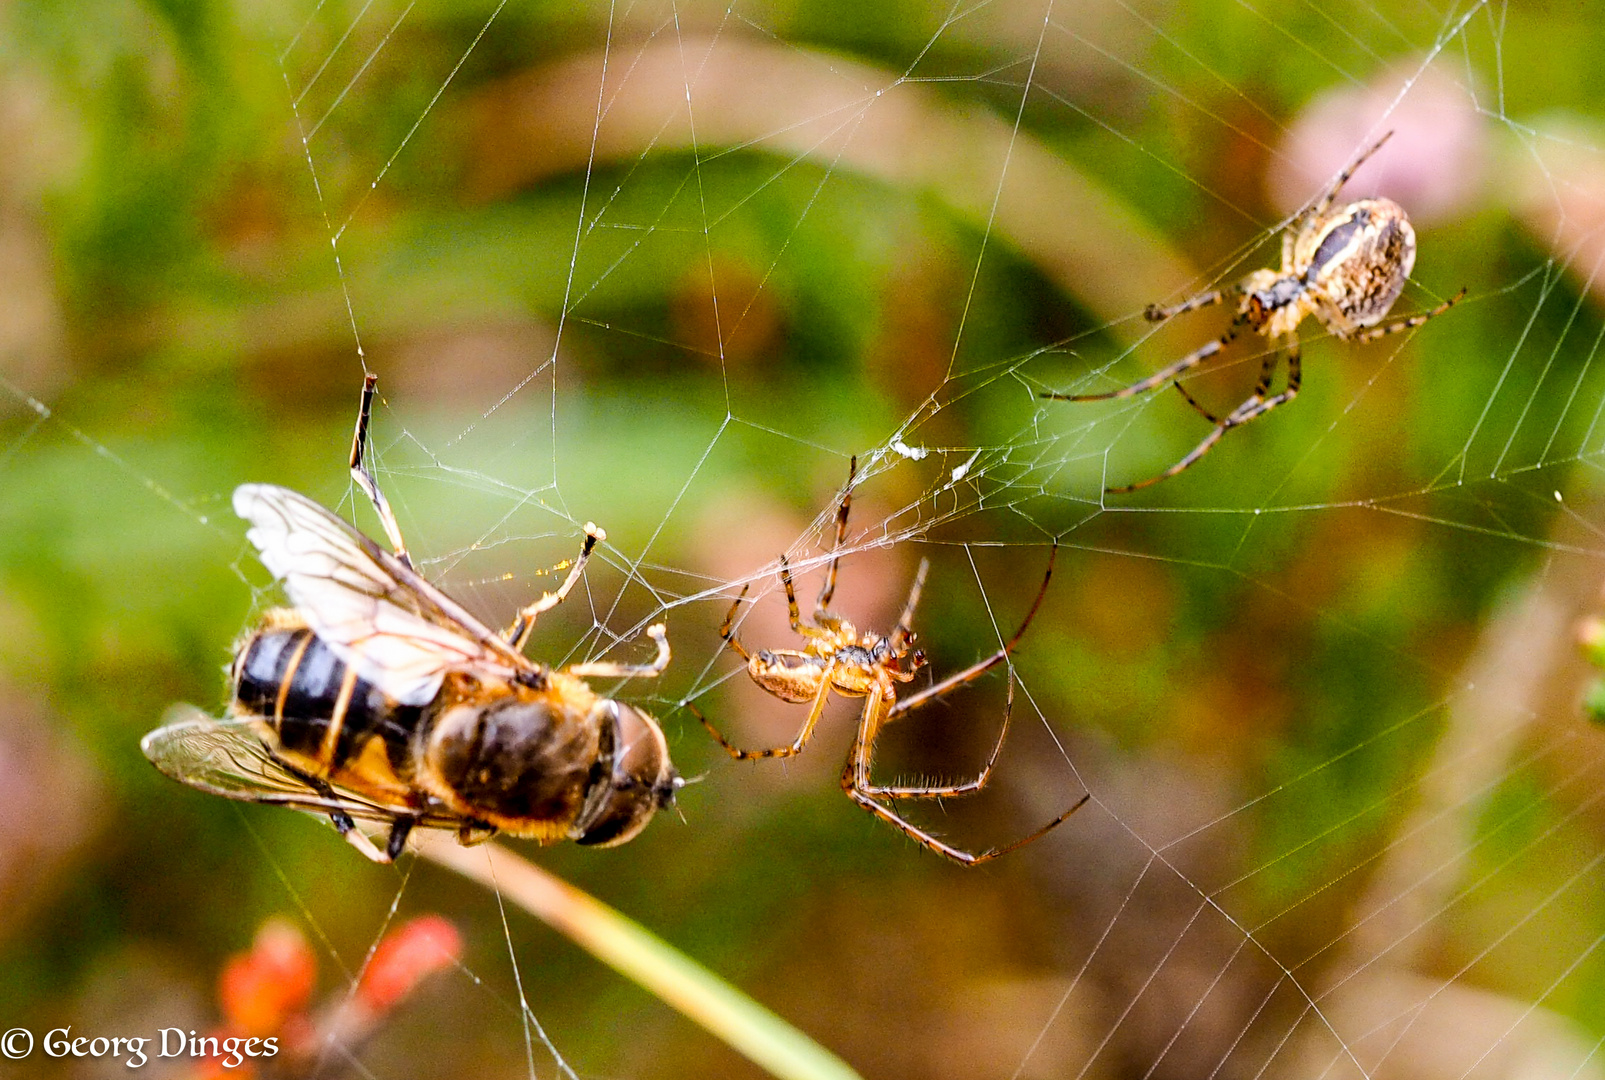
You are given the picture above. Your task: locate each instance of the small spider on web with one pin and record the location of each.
(1345, 267)
(837, 657)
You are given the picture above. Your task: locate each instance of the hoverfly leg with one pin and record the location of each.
(605, 670)
(473, 832)
(517, 635)
(342, 821)
(358, 839)
(399, 831)
(365, 478)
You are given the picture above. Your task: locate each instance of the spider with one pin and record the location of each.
(837, 657)
(1346, 267)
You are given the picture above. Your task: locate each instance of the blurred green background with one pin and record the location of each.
(666, 267)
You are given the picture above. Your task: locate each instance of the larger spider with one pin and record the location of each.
(837, 657)
(1346, 267)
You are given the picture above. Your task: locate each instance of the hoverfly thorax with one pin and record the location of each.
(515, 758)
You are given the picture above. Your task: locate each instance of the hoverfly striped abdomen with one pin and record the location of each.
(316, 707)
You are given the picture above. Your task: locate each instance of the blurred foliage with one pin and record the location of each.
(206, 337)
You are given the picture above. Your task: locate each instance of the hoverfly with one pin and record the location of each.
(377, 696)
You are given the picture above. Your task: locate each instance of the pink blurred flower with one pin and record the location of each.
(1432, 166)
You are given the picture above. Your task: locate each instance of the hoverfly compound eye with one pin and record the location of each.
(636, 779)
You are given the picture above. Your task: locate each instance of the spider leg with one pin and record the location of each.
(604, 670)
(1410, 321)
(1155, 314)
(822, 605)
(1261, 388)
(1193, 455)
(905, 623)
(1267, 370)
(1199, 409)
(796, 745)
(1343, 178)
(976, 670)
(517, 635)
(1258, 405)
(1255, 406)
(727, 631)
(791, 600)
(856, 783)
(798, 627)
(942, 791)
(365, 479)
(1160, 378)
(958, 855)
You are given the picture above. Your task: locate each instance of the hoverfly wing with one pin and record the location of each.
(225, 757)
(378, 615)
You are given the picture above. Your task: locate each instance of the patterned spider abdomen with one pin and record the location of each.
(788, 674)
(1356, 262)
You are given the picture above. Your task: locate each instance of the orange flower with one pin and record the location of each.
(405, 957)
(262, 989)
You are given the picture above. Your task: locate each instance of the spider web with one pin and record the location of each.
(669, 268)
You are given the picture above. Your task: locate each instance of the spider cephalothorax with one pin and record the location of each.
(1345, 266)
(833, 652)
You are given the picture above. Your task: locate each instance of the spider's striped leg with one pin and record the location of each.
(967, 787)
(1160, 378)
(1267, 369)
(1155, 313)
(822, 613)
(980, 667)
(727, 628)
(797, 625)
(1256, 405)
(904, 634)
(1197, 452)
(942, 791)
(856, 783)
(365, 479)
(1410, 321)
(1343, 178)
(797, 744)
(1199, 409)
(958, 855)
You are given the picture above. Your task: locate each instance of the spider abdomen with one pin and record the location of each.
(1357, 263)
(789, 675)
